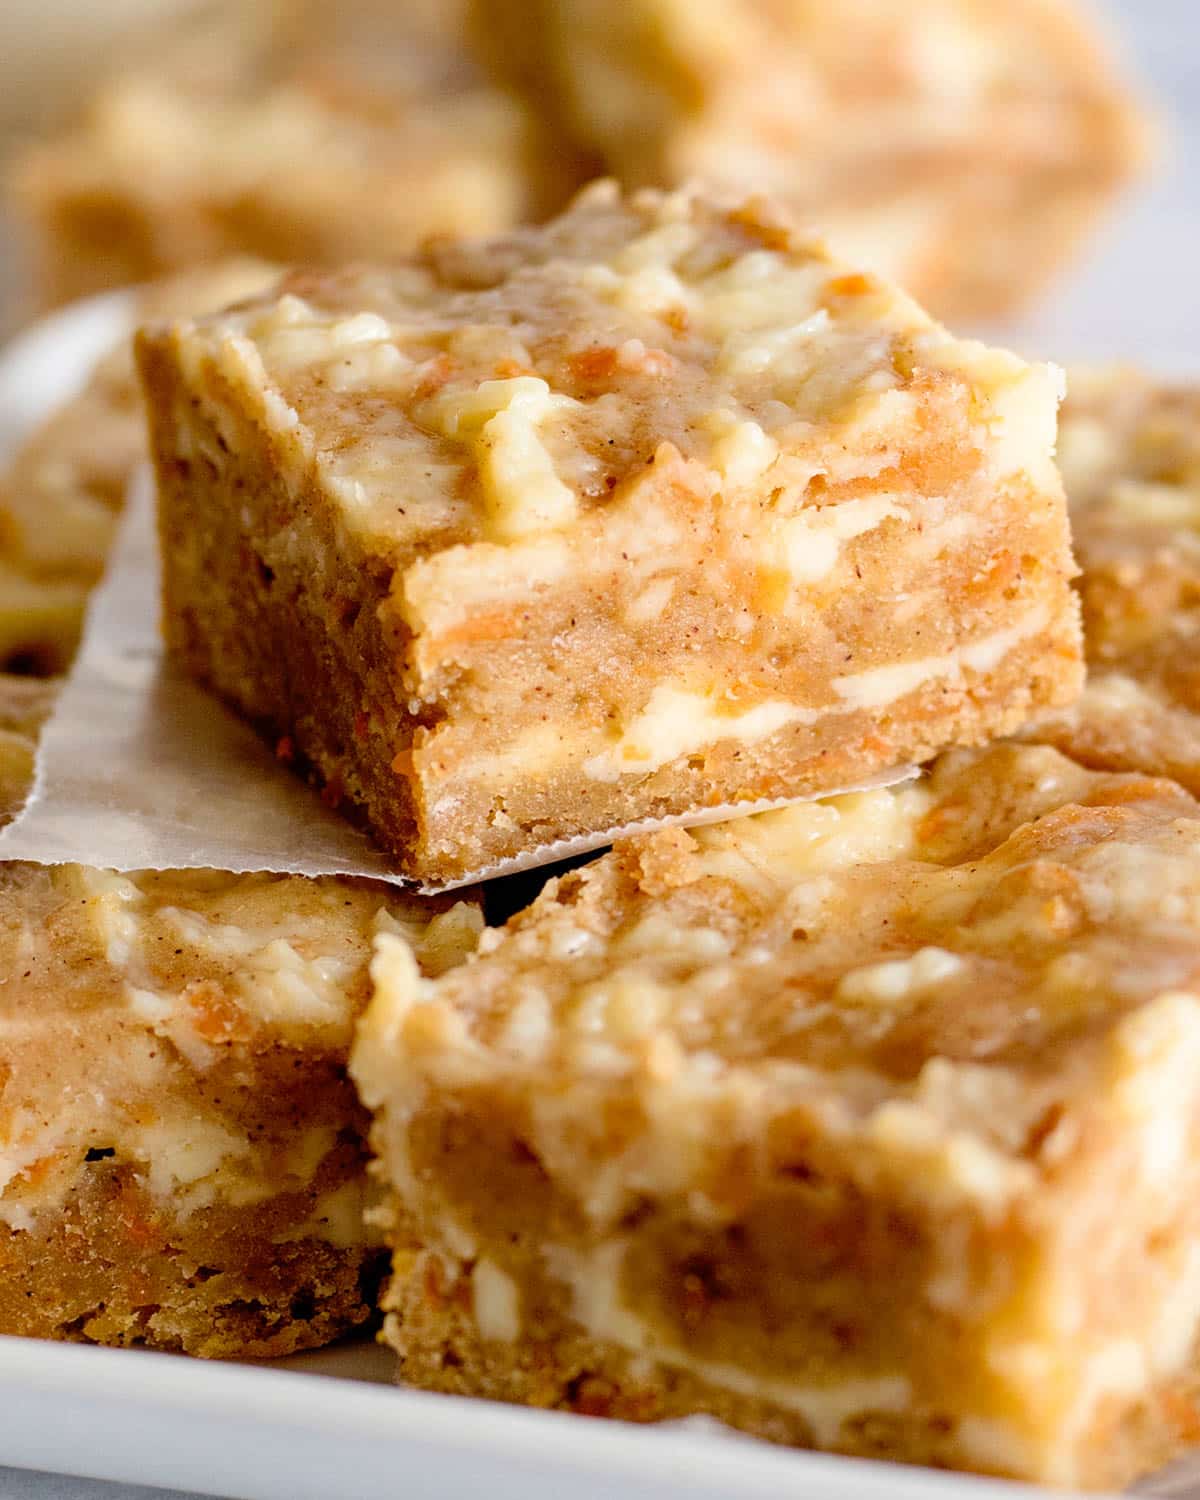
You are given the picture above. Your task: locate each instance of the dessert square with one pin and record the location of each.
(869, 1124)
(963, 150)
(654, 509)
(1130, 456)
(337, 133)
(183, 1155)
(64, 486)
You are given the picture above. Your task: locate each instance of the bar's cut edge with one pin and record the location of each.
(587, 843)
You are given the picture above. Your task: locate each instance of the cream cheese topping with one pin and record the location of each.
(507, 382)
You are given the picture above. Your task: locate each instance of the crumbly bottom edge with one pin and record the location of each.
(429, 1324)
(223, 1282)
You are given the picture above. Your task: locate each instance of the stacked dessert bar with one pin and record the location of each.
(656, 509)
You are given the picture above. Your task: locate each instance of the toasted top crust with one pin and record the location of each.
(928, 975)
(501, 390)
(276, 956)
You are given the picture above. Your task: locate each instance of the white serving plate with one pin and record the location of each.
(329, 1426)
(274, 1434)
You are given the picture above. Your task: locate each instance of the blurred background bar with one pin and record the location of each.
(403, 128)
(51, 51)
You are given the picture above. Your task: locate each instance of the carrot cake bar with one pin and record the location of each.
(351, 133)
(656, 508)
(182, 1160)
(1130, 457)
(62, 490)
(963, 149)
(871, 1124)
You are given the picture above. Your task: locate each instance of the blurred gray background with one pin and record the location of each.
(1137, 295)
